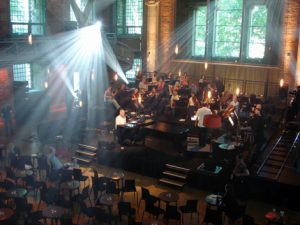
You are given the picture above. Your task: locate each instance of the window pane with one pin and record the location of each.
(199, 31)
(257, 32)
(134, 16)
(25, 13)
(137, 65)
(228, 27)
(22, 72)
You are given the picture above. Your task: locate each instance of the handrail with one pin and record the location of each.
(266, 158)
(286, 158)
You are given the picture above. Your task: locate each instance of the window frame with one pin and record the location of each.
(270, 41)
(29, 24)
(124, 27)
(30, 81)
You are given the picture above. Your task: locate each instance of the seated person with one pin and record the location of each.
(125, 133)
(135, 99)
(143, 86)
(193, 105)
(52, 159)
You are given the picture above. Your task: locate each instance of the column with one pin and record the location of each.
(152, 33)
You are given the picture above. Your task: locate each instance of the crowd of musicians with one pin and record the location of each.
(160, 95)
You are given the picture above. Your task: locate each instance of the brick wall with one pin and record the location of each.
(5, 85)
(4, 18)
(290, 39)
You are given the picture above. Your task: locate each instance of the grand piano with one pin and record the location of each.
(168, 137)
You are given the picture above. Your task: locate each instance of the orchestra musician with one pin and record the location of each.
(135, 99)
(143, 86)
(109, 96)
(193, 105)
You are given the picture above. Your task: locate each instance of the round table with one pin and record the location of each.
(168, 197)
(5, 213)
(53, 212)
(109, 199)
(227, 146)
(71, 166)
(276, 217)
(212, 200)
(16, 193)
(117, 176)
(23, 173)
(153, 222)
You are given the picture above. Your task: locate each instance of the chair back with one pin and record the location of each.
(124, 208)
(192, 205)
(77, 173)
(145, 193)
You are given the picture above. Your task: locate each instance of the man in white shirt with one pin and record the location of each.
(119, 123)
(203, 132)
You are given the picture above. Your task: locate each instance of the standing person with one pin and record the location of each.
(55, 163)
(135, 99)
(203, 132)
(219, 85)
(7, 116)
(109, 96)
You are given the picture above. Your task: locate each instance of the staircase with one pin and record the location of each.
(276, 160)
(174, 176)
(85, 154)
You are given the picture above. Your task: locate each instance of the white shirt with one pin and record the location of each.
(191, 101)
(236, 105)
(200, 115)
(120, 120)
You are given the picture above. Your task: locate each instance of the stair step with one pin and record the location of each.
(87, 147)
(173, 174)
(172, 182)
(273, 163)
(268, 169)
(278, 153)
(90, 154)
(279, 158)
(80, 159)
(278, 149)
(182, 169)
(267, 175)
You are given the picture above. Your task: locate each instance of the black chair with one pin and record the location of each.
(152, 209)
(111, 188)
(78, 176)
(85, 194)
(172, 213)
(213, 216)
(66, 221)
(191, 207)
(90, 212)
(146, 195)
(126, 210)
(129, 186)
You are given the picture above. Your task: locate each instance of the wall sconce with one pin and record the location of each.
(140, 99)
(30, 39)
(237, 91)
(179, 73)
(205, 66)
(46, 84)
(92, 76)
(281, 82)
(176, 49)
(116, 77)
(80, 103)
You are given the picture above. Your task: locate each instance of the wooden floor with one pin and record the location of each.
(255, 208)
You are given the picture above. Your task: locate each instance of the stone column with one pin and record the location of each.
(166, 28)
(290, 53)
(152, 33)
